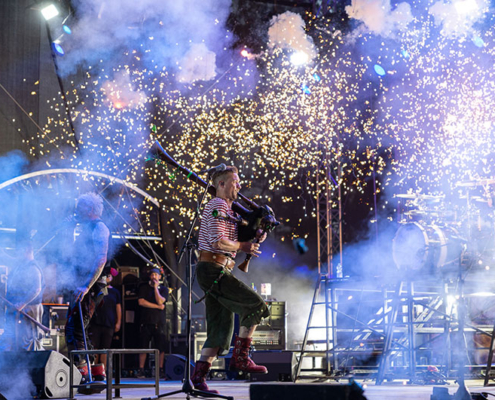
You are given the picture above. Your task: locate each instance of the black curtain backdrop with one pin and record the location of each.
(19, 70)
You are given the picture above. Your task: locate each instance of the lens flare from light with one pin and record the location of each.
(380, 70)
(478, 42)
(58, 49)
(67, 29)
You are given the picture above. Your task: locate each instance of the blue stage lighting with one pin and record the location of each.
(478, 41)
(405, 54)
(67, 29)
(379, 70)
(58, 49)
(305, 89)
(316, 77)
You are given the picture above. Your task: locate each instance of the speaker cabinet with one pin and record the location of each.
(293, 391)
(42, 374)
(175, 367)
(271, 333)
(280, 364)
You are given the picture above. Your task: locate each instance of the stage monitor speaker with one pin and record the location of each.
(42, 374)
(296, 391)
(174, 367)
(280, 364)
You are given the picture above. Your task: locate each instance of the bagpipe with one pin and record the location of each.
(253, 219)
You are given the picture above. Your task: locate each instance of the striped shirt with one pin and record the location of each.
(213, 229)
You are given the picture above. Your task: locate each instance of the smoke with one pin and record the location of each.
(120, 93)
(378, 17)
(15, 380)
(155, 32)
(198, 64)
(458, 18)
(287, 31)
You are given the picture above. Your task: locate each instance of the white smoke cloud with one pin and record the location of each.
(287, 32)
(458, 17)
(158, 31)
(378, 17)
(198, 64)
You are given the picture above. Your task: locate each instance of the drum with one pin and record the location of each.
(418, 245)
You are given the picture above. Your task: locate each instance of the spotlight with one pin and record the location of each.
(299, 58)
(66, 29)
(49, 12)
(305, 89)
(244, 53)
(300, 245)
(379, 70)
(316, 77)
(58, 49)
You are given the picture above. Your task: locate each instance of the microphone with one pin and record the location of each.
(212, 170)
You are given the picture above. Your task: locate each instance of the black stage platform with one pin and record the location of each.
(240, 390)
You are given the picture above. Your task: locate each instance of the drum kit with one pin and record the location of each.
(440, 234)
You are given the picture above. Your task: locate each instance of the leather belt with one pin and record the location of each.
(217, 258)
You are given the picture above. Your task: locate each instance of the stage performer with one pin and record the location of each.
(151, 299)
(107, 319)
(88, 260)
(225, 294)
(25, 285)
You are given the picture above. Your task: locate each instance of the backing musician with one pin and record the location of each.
(225, 294)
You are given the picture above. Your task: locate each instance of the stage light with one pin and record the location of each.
(405, 54)
(58, 48)
(244, 53)
(300, 245)
(305, 89)
(380, 70)
(49, 12)
(299, 58)
(66, 29)
(478, 41)
(316, 77)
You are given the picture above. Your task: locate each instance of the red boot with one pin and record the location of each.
(98, 372)
(240, 360)
(198, 377)
(83, 369)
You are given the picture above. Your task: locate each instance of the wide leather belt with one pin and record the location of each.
(217, 258)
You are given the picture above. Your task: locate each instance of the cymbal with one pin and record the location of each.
(476, 182)
(413, 196)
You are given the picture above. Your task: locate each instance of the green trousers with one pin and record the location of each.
(227, 296)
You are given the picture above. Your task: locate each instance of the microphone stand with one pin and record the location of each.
(187, 386)
(462, 392)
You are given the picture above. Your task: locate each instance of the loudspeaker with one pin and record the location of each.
(127, 276)
(35, 373)
(270, 391)
(174, 367)
(280, 364)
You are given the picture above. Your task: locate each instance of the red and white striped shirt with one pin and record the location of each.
(213, 229)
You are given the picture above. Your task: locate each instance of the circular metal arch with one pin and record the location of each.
(80, 172)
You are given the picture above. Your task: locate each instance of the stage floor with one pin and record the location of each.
(240, 390)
